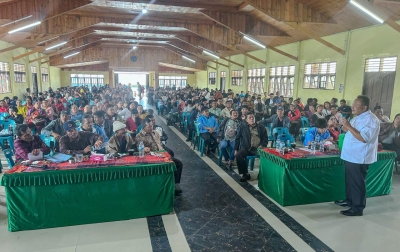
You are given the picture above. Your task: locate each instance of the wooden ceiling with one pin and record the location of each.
(104, 32)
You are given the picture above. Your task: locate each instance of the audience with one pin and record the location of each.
(378, 112)
(208, 129)
(226, 137)
(389, 135)
(319, 130)
(120, 142)
(26, 143)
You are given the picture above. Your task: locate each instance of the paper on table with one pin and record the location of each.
(58, 157)
(32, 157)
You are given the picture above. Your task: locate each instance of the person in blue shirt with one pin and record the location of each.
(319, 129)
(208, 127)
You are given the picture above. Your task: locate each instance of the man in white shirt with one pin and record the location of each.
(360, 148)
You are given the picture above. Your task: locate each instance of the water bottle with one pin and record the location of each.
(313, 146)
(141, 149)
(282, 148)
(317, 138)
(321, 146)
(278, 145)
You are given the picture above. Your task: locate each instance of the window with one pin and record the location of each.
(282, 79)
(237, 77)
(5, 86)
(381, 64)
(255, 80)
(45, 74)
(170, 81)
(212, 77)
(88, 80)
(19, 73)
(33, 69)
(320, 75)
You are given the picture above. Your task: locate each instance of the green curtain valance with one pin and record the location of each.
(58, 177)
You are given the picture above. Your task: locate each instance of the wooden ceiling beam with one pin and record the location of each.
(312, 35)
(81, 48)
(289, 11)
(51, 54)
(38, 49)
(212, 67)
(190, 4)
(242, 6)
(27, 44)
(393, 24)
(244, 23)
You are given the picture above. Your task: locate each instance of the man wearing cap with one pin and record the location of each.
(208, 129)
(55, 127)
(78, 142)
(226, 112)
(120, 142)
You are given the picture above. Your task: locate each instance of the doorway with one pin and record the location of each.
(379, 78)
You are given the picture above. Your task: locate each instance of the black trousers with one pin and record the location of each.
(356, 189)
(178, 172)
(294, 128)
(170, 152)
(207, 140)
(241, 160)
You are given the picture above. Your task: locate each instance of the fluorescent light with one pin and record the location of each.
(367, 11)
(189, 59)
(134, 47)
(252, 40)
(210, 54)
(25, 27)
(13, 22)
(56, 45)
(72, 54)
(144, 11)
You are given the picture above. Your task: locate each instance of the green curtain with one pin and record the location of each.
(72, 197)
(319, 179)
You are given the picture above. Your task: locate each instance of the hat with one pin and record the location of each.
(117, 125)
(69, 125)
(64, 112)
(204, 108)
(280, 108)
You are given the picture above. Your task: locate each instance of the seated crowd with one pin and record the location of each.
(238, 123)
(109, 120)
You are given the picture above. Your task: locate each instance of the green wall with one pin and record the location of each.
(17, 89)
(370, 42)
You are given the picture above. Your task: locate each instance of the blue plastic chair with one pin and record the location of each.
(10, 140)
(139, 129)
(185, 121)
(220, 153)
(250, 161)
(48, 139)
(199, 141)
(286, 137)
(91, 103)
(279, 131)
(23, 103)
(8, 153)
(3, 115)
(303, 132)
(7, 122)
(304, 122)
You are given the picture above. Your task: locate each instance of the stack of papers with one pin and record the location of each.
(58, 157)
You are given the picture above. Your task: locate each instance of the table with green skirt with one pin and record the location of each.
(56, 198)
(314, 179)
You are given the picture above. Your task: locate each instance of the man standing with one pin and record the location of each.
(250, 136)
(226, 136)
(360, 148)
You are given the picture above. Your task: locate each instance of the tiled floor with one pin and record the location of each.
(216, 213)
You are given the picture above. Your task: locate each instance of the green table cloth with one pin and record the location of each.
(318, 179)
(58, 198)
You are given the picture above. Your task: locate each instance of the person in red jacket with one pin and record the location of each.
(295, 120)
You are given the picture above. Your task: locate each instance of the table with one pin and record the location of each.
(56, 198)
(313, 179)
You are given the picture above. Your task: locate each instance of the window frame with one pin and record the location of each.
(212, 78)
(19, 73)
(5, 78)
(285, 73)
(317, 73)
(237, 78)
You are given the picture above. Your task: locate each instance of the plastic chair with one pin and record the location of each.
(303, 132)
(139, 129)
(3, 115)
(10, 140)
(91, 103)
(48, 139)
(185, 121)
(250, 161)
(304, 122)
(279, 131)
(220, 153)
(23, 103)
(8, 154)
(199, 141)
(286, 137)
(7, 122)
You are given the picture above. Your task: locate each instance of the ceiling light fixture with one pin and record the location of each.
(144, 11)
(189, 59)
(24, 27)
(72, 54)
(380, 20)
(13, 22)
(205, 51)
(56, 45)
(134, 47)
(252, 40)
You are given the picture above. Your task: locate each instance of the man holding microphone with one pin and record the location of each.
(359, 150)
